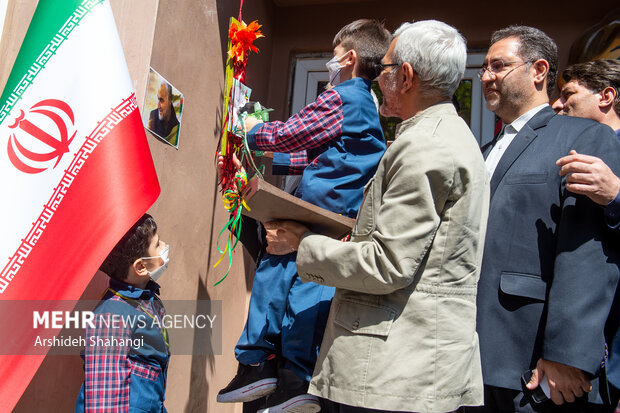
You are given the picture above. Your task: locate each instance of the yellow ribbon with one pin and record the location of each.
(234, 203)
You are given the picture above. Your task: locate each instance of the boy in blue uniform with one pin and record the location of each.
(336, 143)
(125, 364)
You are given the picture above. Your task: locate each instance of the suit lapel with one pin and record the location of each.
(486, 148)
(524, 138)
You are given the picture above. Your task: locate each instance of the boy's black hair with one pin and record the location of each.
(133, 245)
(370, 40)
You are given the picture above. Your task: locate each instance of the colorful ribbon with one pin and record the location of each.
(234, 204)
(241, 38)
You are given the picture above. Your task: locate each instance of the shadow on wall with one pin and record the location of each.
(225, 10)
(56, 383)
(599, 41)
(198, 385)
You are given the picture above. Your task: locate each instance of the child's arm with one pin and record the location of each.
(289, 163)
(314, 125)
(107, 368)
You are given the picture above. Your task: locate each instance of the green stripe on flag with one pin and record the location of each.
(52, 22)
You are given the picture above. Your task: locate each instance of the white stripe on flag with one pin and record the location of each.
(84, 73)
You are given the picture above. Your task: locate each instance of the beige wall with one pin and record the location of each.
(185, 41)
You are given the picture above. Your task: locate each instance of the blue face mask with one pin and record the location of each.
(334, 68)
(156, 274)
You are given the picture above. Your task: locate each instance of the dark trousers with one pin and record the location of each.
(500, 400)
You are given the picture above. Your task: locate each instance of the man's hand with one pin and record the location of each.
(250, 122)
(565, 382)
(590, 176)
(283, 237)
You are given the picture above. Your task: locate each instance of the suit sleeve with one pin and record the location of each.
(416, 180)
(585, 269)
(612, 214)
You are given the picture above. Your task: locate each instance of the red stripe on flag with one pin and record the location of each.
(115, 186)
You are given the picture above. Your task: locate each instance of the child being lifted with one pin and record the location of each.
(336, 143)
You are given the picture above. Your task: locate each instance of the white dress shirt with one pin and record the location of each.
(506, 136)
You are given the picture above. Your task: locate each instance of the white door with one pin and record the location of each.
(311, 77)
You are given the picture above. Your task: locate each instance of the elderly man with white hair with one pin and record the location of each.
(401, 334)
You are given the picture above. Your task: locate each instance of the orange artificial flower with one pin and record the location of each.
(242, 36)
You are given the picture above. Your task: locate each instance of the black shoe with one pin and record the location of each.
(291, 396)
(251, 382)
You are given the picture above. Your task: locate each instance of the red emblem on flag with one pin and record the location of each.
(52, 121)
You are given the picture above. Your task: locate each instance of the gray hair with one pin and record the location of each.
(168, 87)
(437, 53)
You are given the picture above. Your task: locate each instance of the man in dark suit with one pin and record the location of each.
(549, 268)
(592, 91)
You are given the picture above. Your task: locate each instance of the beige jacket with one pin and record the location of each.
(401, 333)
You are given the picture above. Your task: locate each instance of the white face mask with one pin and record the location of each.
(155, 274)
(334, 69)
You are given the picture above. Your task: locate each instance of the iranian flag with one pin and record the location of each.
(76, 167)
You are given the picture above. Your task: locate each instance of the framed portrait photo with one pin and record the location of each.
(163, 108)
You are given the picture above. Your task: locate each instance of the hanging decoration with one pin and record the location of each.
(241, 37)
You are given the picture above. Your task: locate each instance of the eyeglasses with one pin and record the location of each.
(497, 66)
(384, 65)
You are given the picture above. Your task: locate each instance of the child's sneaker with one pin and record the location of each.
(291, 396)
(251, 382)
